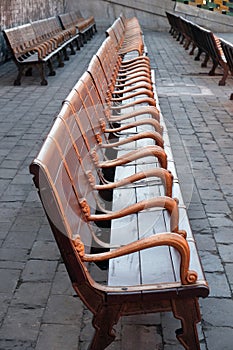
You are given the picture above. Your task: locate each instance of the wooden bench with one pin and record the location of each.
(36, 44)
(86, 27)
(127, 36)
(204, 40)
(110, 197)
(228, 52)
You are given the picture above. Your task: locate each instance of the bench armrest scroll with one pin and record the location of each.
(162, 239)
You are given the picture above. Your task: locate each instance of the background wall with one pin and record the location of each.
(151, 13)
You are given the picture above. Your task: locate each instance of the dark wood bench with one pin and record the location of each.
(85, 26)
(112, 198)
(201, 38)
(227, 48)
(36, 44)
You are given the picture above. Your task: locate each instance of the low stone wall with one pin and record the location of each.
(216, 22)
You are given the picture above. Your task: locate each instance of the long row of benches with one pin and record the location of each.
(215, 48)
(107, 181)
(37, 43)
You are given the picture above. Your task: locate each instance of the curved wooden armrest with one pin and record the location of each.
(135, 75)
(129, 82)
(133, 69)
(140, 85)
(158, 128)
(141, 91)
(152, 110)
(132, 80)
(135, 59)
(148, 100)
(165, 175)
(145, 134)
(170, 204)
(146, 151)
(133, 66)
(138, 58)
(161, 239)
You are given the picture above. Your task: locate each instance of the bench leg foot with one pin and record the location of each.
(72, 51)
(222, 82)
(103, 322)
(17, 81)
(44, 82)
(42, 74)
(191, 53)
(66, 57)
(204, 63)
(197, 58)
(212, 71)
(189, 313)
(51, 70)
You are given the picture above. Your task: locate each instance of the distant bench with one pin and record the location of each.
(107, 181)
(86, 26)
(228, 52)
(189, 33)
(38, 43)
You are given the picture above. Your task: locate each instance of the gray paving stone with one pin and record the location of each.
(217, 312)
(21, 239)
(39, 270)
(12, 344)
(218, 283)
(63, 309)
(31, 295)
(58, 337)
(9, 279)
(136, 336)
(223, 234)
(45, 250)
(211, 261)
(226, 252)
(61, 282)
(222, 338)
(14, 254)
(229, 271)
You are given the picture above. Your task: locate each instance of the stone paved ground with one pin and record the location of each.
(38, 310)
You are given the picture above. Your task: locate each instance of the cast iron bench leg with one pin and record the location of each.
(204, 63)
(41, 67)
(197, 58)
(51, 70)
(17, 81)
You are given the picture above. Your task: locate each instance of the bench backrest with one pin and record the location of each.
(20, 39)
(66, 20)
(60, 180)
(228, 52)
